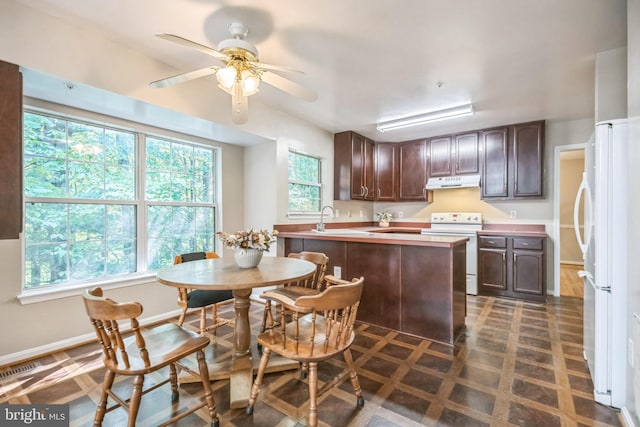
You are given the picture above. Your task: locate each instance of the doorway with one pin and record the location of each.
(569, 161)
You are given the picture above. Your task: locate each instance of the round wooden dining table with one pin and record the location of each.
(223, 273)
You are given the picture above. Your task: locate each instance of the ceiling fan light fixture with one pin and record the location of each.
(250, 82)
(431, 116)
(227, 76)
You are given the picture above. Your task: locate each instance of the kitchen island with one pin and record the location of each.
(414, 284)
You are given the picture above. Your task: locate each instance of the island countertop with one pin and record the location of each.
(386, 236)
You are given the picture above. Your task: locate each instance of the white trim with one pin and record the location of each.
(34, 352)
(627, 417)
(556, 211)
(51, 293)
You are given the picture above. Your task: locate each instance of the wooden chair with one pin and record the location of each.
(322, 326)
(138, 354)
(310, 286)
(198, 298)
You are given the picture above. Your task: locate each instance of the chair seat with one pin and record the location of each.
(201, 298)
(306, 351)
(289, 294)
(161, 344)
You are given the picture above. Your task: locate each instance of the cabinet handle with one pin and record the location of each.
(525, 244)
(491, 242)
(362, 192)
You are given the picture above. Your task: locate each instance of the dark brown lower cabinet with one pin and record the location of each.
(512, 267)
(418, 290)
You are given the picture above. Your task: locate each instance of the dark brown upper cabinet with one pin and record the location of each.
(10, 151)
(354, 167)
(413, 162)
(466, 153)
(494, 149)
(454, 155)
(512, 161)
(440, 156)
(528, 156)
(386, 172)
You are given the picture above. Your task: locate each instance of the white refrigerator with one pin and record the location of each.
(604, 247)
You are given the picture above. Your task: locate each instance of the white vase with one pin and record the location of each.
(248, 258)
(383, 223)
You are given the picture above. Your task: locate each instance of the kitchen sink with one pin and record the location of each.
(341, 232)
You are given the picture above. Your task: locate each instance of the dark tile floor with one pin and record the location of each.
(517, 364)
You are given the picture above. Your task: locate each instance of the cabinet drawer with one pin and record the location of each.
(532, 243)
(493, 242)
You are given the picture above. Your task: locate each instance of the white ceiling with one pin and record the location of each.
(370, 60)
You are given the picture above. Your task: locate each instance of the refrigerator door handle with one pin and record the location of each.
(584, 188)
(587, 275)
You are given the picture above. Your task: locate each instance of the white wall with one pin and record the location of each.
(611, 84)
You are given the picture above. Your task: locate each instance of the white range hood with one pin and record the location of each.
(460, 181)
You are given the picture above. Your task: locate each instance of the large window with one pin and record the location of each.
(89, 215)
(305, 186)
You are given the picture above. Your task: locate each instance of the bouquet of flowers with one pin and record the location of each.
(384, 216)
(248, 239)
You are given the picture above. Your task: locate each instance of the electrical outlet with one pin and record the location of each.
(400, 214)
(336, 213)
(361, 214)
(337, 272)
(513, 214)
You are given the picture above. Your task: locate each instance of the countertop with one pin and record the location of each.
(380, 235)
(527, 230)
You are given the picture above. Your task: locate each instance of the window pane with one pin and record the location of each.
(67, 159)
(179, 172)
(75, 242)
(304, 183)
(174, 230)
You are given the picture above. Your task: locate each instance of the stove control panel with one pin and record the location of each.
(456, 218)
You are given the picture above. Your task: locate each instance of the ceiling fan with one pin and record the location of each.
(241, 72)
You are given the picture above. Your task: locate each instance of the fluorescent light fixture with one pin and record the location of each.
(431, 116)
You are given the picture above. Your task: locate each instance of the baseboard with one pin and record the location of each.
(627, 418)
(35, 352)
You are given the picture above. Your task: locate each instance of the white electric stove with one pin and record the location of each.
(460, 224)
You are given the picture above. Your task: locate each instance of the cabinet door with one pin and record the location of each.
(492, 270)
(357, 166)
(465, 154)
(494, 145)
(413, 171)
(440, 156)
(380, 266)
(368, 169)
(10, 151)
(527, 272)
(386, 172)
(528, 152)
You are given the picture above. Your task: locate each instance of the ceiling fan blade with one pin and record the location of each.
(288, 86)
(188, 43)
(239, 106)
(263, 66)
(185, 77)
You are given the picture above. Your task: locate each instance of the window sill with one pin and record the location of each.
(304, 215)
(41, 295)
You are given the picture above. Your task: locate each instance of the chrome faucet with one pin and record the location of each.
(320, 225)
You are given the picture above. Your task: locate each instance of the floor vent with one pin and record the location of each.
(17, 370)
